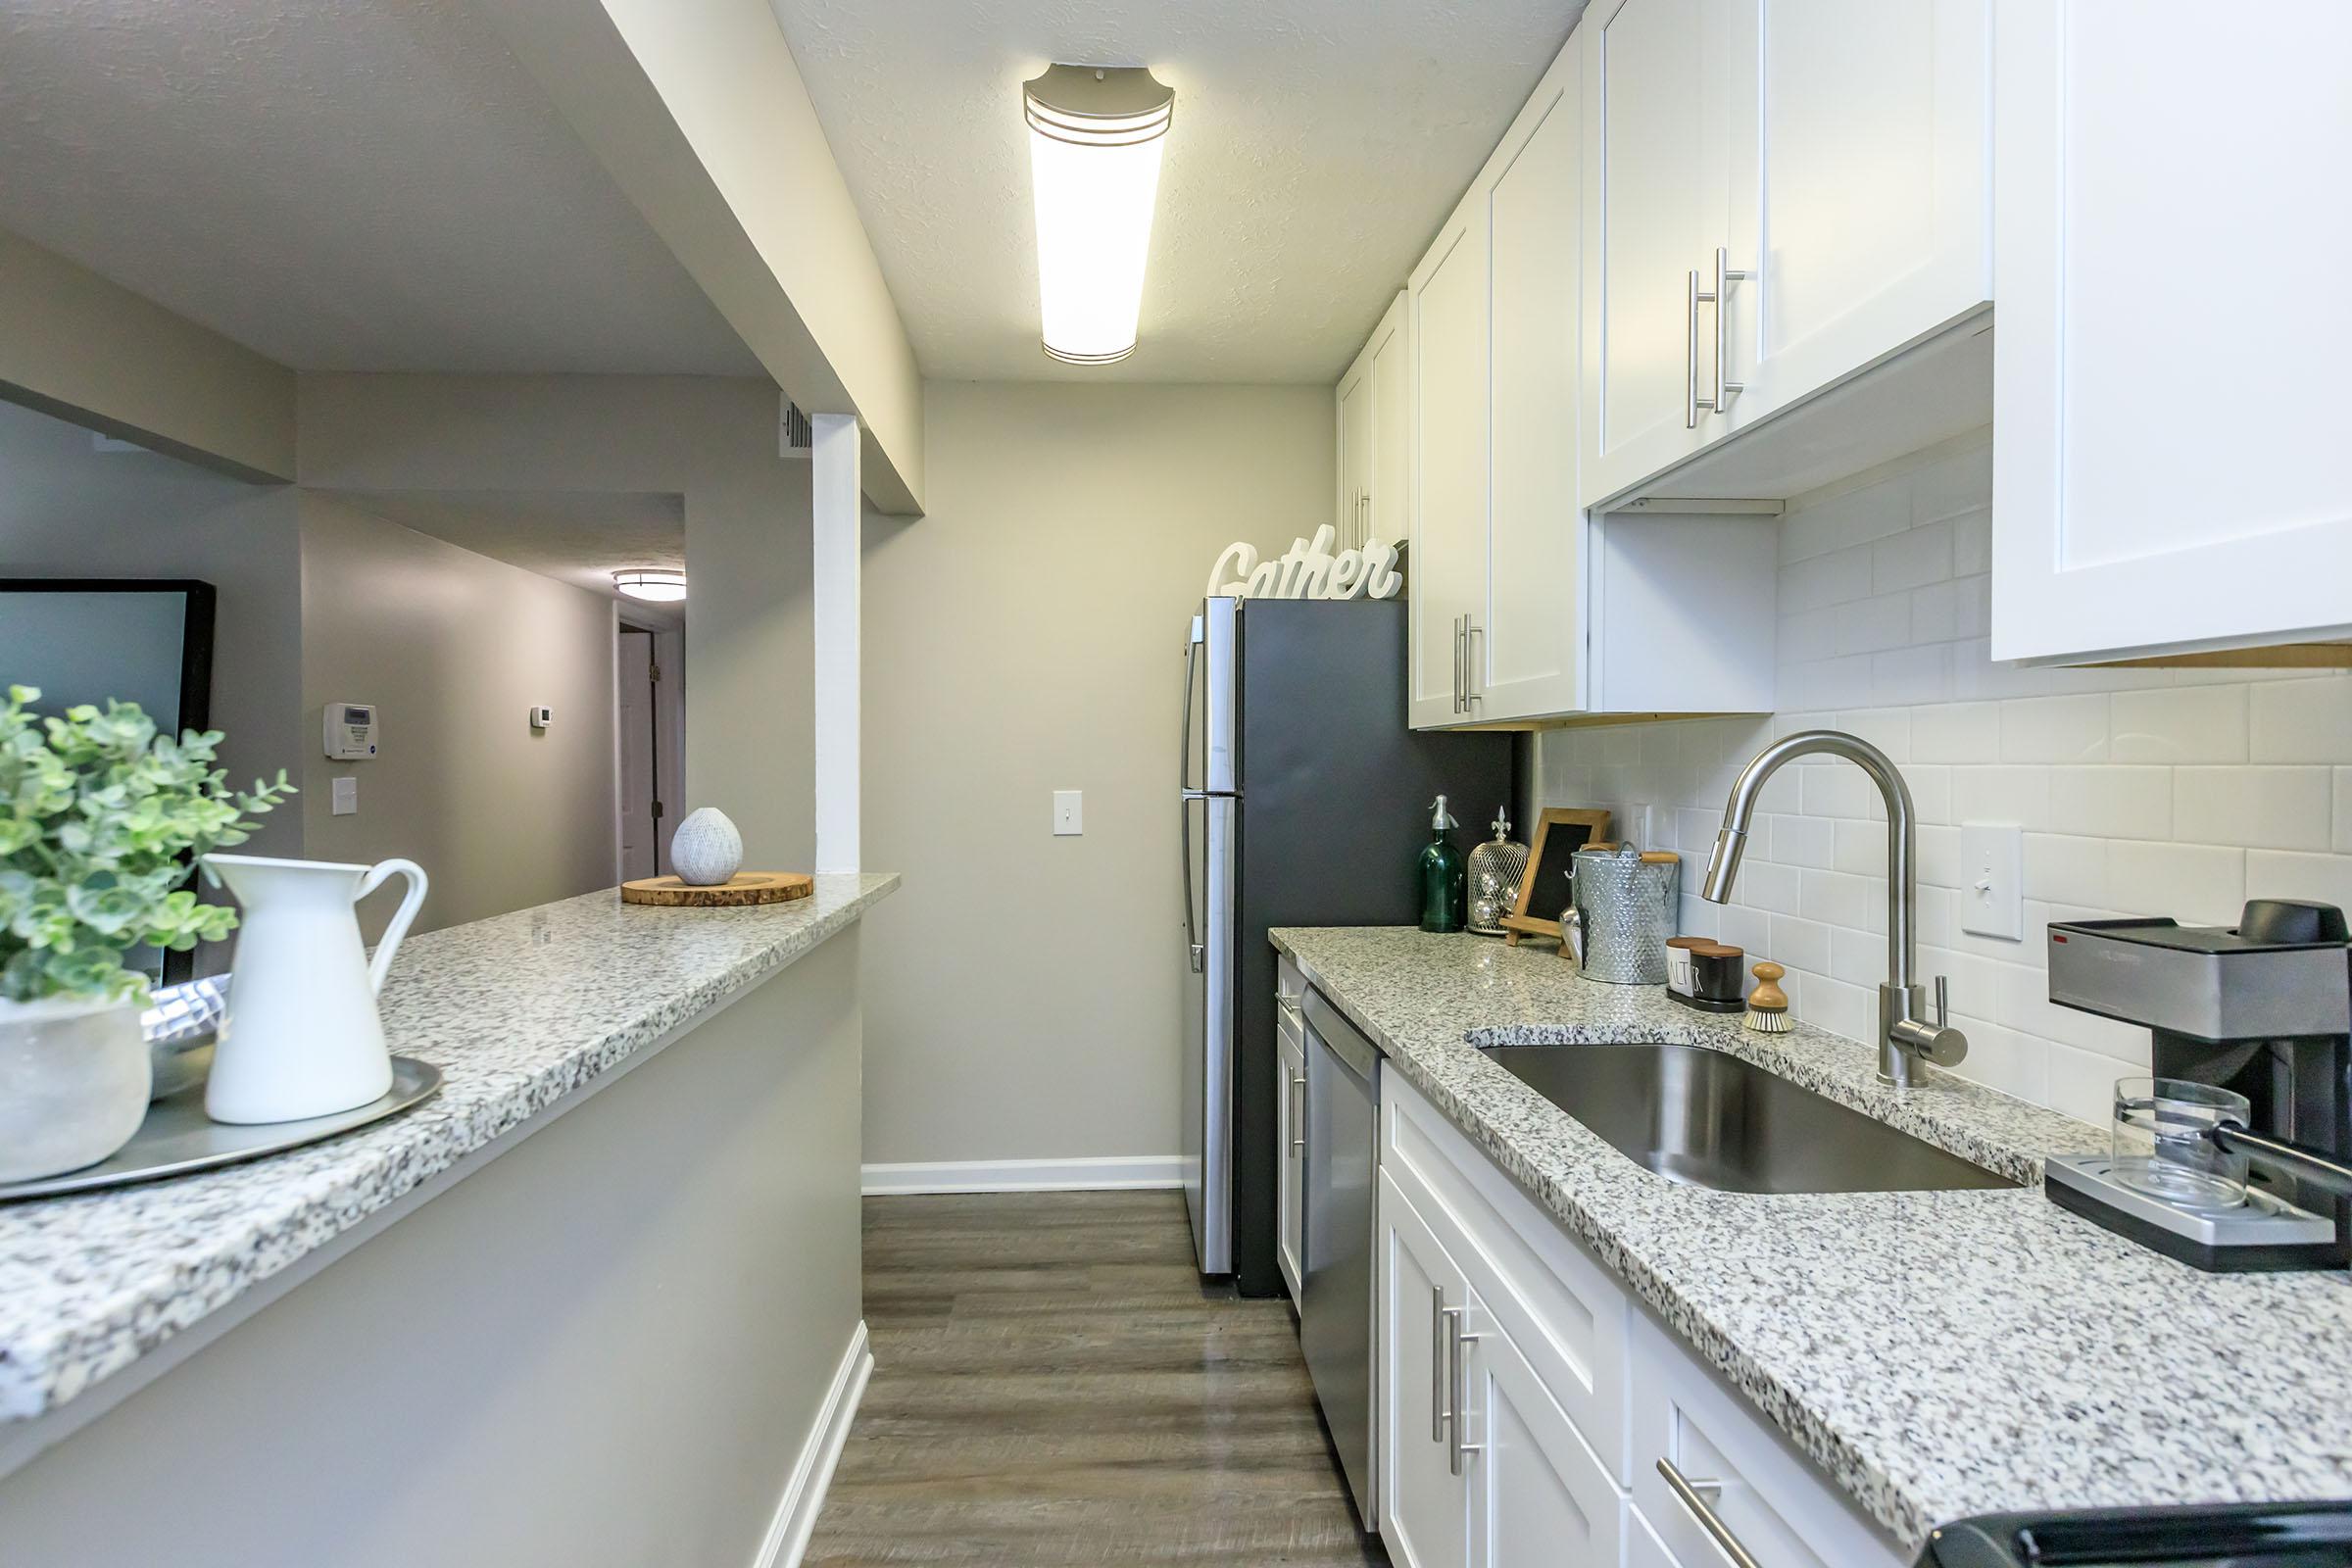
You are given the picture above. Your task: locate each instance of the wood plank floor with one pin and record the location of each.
(1052, 1386)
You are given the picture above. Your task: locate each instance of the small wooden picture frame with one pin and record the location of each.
(1560, 831)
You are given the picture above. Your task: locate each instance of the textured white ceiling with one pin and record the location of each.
(1317, 145)
(341, 184)
(578, 537)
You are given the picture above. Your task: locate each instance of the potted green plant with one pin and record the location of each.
(100, 819)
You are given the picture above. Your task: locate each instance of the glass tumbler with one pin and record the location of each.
(2162, 1142)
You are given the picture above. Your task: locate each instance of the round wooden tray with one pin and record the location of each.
(745, 887)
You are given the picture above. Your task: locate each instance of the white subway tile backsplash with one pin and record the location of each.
(2008, 793)
(1912, 558)
(2180, 724)
(2147, 790)
(2278, 874)
(2260, 808)
(2119, 802)
(2056, 729)
(1957, 732)
(2301, 721)
(2202, 884)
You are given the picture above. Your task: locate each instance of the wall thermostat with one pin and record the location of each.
(541, 718)
(350, 731)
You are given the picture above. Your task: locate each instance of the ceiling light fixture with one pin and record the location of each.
(656, 585)
(1093, 168)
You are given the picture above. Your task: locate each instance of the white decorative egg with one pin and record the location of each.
(707, 850)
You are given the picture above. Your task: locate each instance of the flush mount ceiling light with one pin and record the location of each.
(656, 585)
(1094, 167)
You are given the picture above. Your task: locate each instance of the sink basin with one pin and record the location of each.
(1708, 1119)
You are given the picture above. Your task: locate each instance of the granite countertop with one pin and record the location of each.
(516, 1012)
(1938, 1354)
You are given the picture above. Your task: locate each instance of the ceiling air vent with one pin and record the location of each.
(795, 435)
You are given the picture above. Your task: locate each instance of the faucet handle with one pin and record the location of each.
(1938, 1043)
(1943, 1001)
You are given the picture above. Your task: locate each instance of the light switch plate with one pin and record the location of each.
(1069, 813)
(1993, 875)
(343, 797)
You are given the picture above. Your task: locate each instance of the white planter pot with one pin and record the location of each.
(74, 1081)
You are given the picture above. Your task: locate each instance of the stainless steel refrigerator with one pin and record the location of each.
(1305, 800)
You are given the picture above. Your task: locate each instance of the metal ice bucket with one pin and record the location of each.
(1629, 902)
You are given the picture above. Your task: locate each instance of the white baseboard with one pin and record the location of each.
(812, 1473)
(1026, 1175)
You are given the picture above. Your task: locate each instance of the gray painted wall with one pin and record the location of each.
(1025, 989)
(606, 1347)
(454, 649)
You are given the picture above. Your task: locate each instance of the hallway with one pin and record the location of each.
(1053, 1387)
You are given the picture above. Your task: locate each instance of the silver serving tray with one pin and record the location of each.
(178, 1137)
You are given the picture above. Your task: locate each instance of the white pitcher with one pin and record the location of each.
(302, 1037)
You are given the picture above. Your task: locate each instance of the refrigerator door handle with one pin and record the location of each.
(1184, 754)
(1191, 930)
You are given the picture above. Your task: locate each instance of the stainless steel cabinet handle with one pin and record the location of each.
(1692, 1495)
(1454, 1378)
(1473, 680)
(1298, 1114)
(1725, 275)
(1437, 1364)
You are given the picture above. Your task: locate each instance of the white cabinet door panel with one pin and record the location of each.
(2170, 467)
(1445, 334)
(1533, 624)
(1424, 1507)
(1655, 153)
(1356, 396)
(1385, 474)
(1858, 188)
(1538, 1494)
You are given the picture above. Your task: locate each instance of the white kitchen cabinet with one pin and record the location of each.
(1446, 326)
(2170, 471)
(1290, 1131)
(1372, 437)
(1571, 1396)
(1536, 1493)
(1657, 150)
(1859, 186)
(1524, 607)
(1777, 196)
(1527, 659)
(1424, 1506)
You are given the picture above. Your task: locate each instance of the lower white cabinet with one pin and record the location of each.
(1529, 1413)
(1290, 1126)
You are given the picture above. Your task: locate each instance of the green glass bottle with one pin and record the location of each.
(1445, 876)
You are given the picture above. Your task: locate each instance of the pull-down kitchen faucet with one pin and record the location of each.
(1904, 1034)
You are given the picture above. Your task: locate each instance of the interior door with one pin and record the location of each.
(2172, 468)
(1534, 625)
(1536, 1493)
(1657, 170)
(1859, 185)
(1424, 1506)
(640, 854)
(1445, 336)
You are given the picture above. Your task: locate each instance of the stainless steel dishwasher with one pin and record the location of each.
(1335, 1296)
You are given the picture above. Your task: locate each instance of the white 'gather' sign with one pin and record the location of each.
(1307, 570)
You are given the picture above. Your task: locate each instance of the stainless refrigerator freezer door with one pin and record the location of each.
(1211, 689)
(1208, 1093)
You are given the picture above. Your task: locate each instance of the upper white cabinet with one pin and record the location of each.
(1446, 322)
(1372, 437)
(1777, 196)
(2168, 465)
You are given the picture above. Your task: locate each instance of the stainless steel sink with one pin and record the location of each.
(1707, 1119)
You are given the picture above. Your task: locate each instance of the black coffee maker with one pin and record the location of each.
(2262, 1009)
